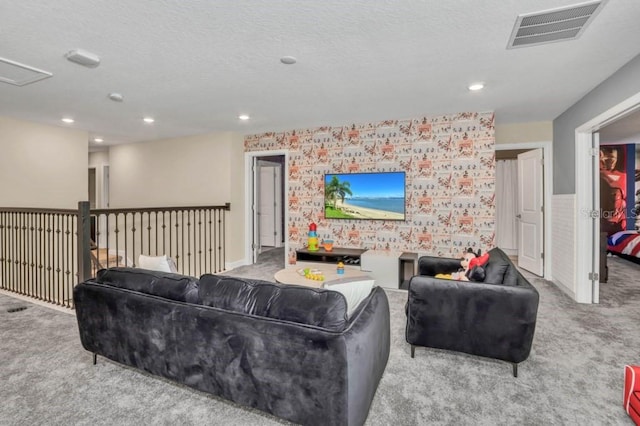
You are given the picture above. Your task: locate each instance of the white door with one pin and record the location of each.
(267, 206)
(255, 239)
(268, 224)
(530, 213)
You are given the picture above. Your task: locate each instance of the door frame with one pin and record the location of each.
(585, 177)
(248, 195)
(547, 158)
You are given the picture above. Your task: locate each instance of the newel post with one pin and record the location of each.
(84, 245)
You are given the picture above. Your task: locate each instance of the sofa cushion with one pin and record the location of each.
(495, 269)
(304, 305)
(237, 294)
(163, 284)
(312, 306)
(510, 276)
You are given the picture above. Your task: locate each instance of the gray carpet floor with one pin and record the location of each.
(574, 375)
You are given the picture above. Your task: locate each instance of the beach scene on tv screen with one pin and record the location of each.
(364, 196)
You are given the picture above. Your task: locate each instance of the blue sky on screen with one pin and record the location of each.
(373, 184)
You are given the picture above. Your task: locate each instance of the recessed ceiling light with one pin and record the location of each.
(68, 120)
(288, 60)
(476, 86)
(148, 120)
(116, 97)
(98, 140)
(243, 117)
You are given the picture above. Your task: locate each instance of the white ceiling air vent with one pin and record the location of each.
(20, 74)
(549, 26)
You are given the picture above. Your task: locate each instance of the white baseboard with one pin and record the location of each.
(564, 288)
(232, 265)
(510, 252)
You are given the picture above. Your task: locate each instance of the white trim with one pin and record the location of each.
(585, 249)
(547, 155)
(248, 191)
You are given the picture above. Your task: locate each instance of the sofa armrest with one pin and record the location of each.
(368, 342)
(432, 265)
(478, 318)
(631, 384)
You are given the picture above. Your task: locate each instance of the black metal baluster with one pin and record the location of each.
(199, 252)
(49, 256)
(4, 251)
(126, 246)
(221, 266)
(106, 237)
(30, 277)
(189, 241)
(20, 257)
(41, 256)
(164, 227)
(13, 254)
(170, 239)
(156, 231)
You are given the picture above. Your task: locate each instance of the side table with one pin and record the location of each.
(407, 258)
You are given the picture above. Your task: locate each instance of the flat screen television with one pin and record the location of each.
(374, 196)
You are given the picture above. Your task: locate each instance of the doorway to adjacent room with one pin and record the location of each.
(266, 201)
(523, 189)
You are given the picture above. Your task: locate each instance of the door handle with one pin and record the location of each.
(518, 216)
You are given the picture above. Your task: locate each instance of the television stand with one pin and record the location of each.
(348, 256)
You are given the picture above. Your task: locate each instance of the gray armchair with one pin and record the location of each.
(495, 318)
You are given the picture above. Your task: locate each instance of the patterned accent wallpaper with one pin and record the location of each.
(449, 162)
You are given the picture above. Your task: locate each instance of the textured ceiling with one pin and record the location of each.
(195, 65)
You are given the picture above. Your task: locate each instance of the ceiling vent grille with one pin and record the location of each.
(20, 74)
(566, 23)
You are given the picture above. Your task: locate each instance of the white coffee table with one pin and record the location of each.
(291, 275)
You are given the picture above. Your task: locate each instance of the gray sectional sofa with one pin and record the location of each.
(287, 350)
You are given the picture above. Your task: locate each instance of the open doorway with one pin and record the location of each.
(518, 215)
(266, 201)
(587, 204)
(98, 196)
(617, 192)
(270, 208)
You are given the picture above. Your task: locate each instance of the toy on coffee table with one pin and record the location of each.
(312, 241)
(312, 274)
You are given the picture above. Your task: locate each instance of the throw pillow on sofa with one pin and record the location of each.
(157, 263)
(354, 290)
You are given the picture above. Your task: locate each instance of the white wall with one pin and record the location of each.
(524, 132)
(98, 158)
(42, 166)
(620, 86)
(192, 171)
(564, 242)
